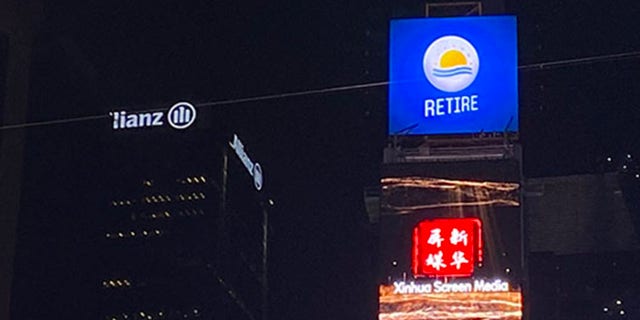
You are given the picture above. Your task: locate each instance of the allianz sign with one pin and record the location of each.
(180, 116)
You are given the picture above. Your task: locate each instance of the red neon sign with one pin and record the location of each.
(447, 247)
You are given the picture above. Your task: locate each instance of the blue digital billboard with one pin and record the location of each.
(453, 75)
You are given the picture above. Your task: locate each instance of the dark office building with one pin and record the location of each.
(141, 223)
(157, 234)
(583, 246)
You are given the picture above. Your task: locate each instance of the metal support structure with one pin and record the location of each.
(265, 238)
(450, 9)
(265, 254)
(221, 220)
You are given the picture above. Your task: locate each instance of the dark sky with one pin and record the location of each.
(145, 53)
(94, 56)
(317, 152)
(574, 115)
(209, 49)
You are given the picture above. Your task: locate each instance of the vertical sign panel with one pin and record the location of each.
(450, 241)
(453, 75)
(446, 247)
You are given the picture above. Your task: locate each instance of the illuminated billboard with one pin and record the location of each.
(450, 301)
(180, 116)
(446, 247)
(451, 241)
(453, 75)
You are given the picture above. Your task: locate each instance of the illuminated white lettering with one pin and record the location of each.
(457, 104)
(180, 116)
(450, 105)
(144, 119)
(157, 119)
(132, 121)
(439, 107)
(254, 169)
(238, 147)
(400, 287)
(496, 286)
(115, 116)
(438, 286)
(465, 103)
(122, 120)
(441, 287)
(429, 108)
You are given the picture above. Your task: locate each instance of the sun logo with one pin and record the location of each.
(450, 63)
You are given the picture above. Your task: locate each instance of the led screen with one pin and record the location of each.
(453, 75)
(446, 247)
(451, 243)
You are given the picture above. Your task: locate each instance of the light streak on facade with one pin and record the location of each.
(449, 306)
(409, 194)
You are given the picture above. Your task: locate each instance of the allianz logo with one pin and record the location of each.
(180, 116)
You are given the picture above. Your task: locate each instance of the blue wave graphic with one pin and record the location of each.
(450, 72)
(452, 75)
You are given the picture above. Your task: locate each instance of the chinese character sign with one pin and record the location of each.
(447, 247)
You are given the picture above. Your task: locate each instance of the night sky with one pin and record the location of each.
(91, 57)
(141, 54)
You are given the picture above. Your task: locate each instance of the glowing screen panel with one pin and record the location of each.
(451, 241)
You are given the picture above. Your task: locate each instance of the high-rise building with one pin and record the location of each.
(451, 222)
(181, 234)
(145, 223)
(157, 233)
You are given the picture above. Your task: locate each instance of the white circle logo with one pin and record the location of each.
(450, 63)
(257, 176)
(181, 115)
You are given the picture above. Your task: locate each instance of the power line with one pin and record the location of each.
(580, 61)
(51, 122)
(535, 66)
(296, 94)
